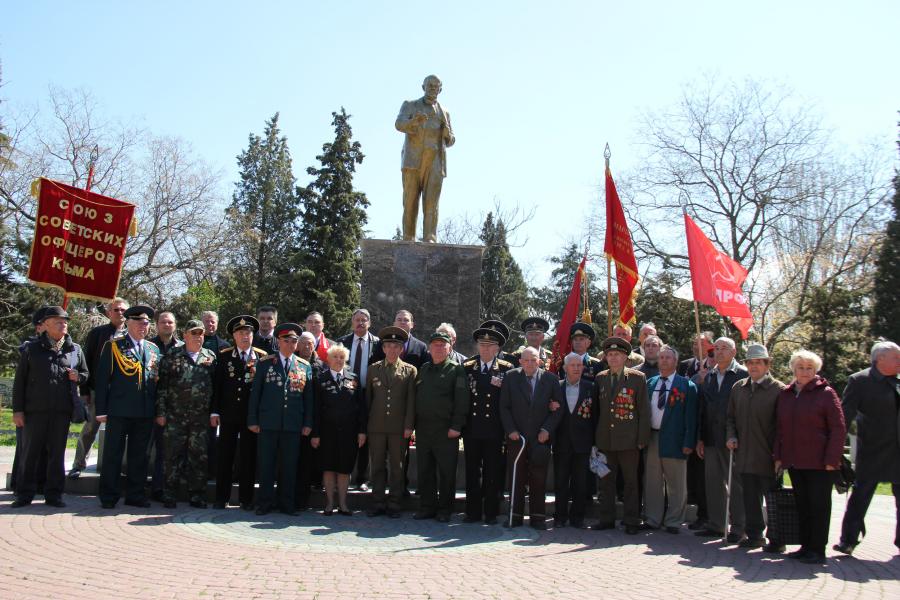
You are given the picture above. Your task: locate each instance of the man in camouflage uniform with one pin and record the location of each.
(184, 392)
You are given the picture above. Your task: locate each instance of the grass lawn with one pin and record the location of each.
(8, 436)
(883, 489)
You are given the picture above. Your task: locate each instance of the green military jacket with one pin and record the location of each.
(391, 397)
(184, 389)
(623, 413)
(442, 398)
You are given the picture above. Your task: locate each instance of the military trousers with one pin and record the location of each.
(235, 438)
(185, 447)
(277, 453)
(484, 476)
(387, 452)
(134, 432)
(44, 434)
(436, 459)
(628, 460)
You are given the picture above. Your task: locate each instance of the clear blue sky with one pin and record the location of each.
(535, 89)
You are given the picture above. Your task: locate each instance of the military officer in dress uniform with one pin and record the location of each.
(232, 381)
(623, 430)
(391, 401)
(535, 329)
(582, 336)
(183, 396)
(280, 411)
(503, 329)
(483, 433)
(125, 388)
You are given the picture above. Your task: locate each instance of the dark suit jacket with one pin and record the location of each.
(528, 414)
(93, 344)
(231, 384)
(870, 399)
(375, 351)
(577, 429)
(415, 354)
(714, 404)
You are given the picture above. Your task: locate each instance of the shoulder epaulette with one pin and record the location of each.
(152, 344)
(271, 357)
(302, 360)
(260, 350)
(504, 363)
(470, 363)
(228, 349)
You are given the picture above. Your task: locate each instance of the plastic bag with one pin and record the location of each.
(598, 463)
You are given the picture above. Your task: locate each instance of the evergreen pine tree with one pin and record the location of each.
(333, 218)
(504, 294)
(886, 309)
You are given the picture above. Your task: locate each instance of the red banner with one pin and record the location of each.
(79, 240)
(619, 248)
(563, 343)
(716, 278)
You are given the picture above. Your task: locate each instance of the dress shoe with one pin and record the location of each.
(197, 503)
(263, 510)
(749, 542)
(814, 558)
(248, 506)
(773, 548)
(673, 530)
(577, 524)
(647, 527)
(442, 518)
(490, 521)
(406, 493)
(344, 512)
(169, 503)
(74, 474)
(516, 522)
(363, 487)
(798, 554)
(107, 505)
(710, 533)
(158, 495)
(697, 525)
(289, 512)
(471, 519)
(844, 548)
(603, 526)
(420, 516)
(55, 502)
(19, 503)
(219, 505)
(735, 538)
(327, 512)
(632, 529)
(142, 503)
(558, 523)
(377, 512)
(540, 524)
(393, 514)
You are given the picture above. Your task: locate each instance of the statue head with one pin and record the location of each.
(432, 87)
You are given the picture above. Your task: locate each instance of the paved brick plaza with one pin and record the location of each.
(83, 551)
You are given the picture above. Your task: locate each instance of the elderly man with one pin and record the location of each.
(267, 317)
(37, 321)
(673, 435)
(308, 471)
(530, 401)
(96, 338)
(715, 392)
(457, 357)
(414, 350)
(750, 429)
(365, 349)
(646, 330)
(623, 430)
(442, 401)
(127, 371)
(535, 329)
(391, 400)
(233, 378)
(45, 386)
(871, 402)
(306, 349)
(634, 360)
(573, 441)
(183, 395)
(424, 160)
(650, 350)
(483, 434)
(280, 412)
(582, 336)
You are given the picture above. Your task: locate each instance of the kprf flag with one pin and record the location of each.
(619, 247)
(716, 278)
(563, 343)
(79, 240)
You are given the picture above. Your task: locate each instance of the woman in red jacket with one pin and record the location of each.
(809, 441)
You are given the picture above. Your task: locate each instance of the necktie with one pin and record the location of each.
(531, 381)
(486, 368)
(244, 357)
(662, 392)
(615, 384)
(357, 360)
(287, 363)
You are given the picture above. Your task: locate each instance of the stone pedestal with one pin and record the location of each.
(437, 283)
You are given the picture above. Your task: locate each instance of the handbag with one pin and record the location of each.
(783, 520)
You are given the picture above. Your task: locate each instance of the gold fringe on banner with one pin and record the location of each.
(36, 189)
(132, 230)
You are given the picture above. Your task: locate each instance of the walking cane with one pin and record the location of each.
(512, 487)
(728, 493)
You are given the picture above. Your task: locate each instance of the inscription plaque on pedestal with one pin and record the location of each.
(437, 283)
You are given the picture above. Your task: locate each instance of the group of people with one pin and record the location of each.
(280, 403)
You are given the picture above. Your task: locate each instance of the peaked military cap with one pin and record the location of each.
(580, 328)
(140, 313)
(440, 336)
(498, 326)
(616, 343)
(393, 334)
(242, 322)
(288, 330)
(535, 324)
(486, 334)
(193, 325)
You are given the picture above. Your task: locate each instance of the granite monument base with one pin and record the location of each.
(437, 283)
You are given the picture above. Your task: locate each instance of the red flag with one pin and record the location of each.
(619, 248)
(322, 347)
(716, 278)
(563, 343)
(79, 240)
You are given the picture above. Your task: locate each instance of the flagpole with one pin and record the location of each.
(95, 153)
(609, 311)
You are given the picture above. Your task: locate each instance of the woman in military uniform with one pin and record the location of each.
(339, 428)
